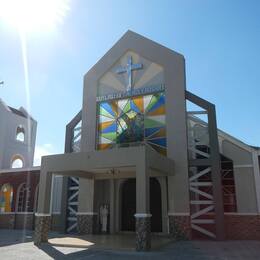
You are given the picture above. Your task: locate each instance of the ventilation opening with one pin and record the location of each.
(20, 134)
(17, 162)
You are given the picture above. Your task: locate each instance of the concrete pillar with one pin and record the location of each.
(64, 198)
(112, 206)
(42, 226)
(143, 216)
(256, 178)
(163, 184)
(87, 218)
(180, 226)
(178, 209)
(43, 215)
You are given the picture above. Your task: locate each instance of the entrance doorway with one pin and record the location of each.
(129, 205)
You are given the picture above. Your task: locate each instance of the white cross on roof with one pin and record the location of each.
(128, 69)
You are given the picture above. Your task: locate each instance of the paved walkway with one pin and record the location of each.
(125, 242)
(16, 245)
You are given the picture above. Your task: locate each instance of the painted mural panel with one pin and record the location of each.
(6, 198)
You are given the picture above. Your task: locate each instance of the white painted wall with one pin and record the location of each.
(9, 146)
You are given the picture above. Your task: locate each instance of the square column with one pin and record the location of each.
(87, 222)
(86, 217)
(143, 232)
(143, 216)
(43, 216)
(180, 226)
(112, 205)
(42, 227)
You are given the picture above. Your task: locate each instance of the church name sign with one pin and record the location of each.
(132, 93)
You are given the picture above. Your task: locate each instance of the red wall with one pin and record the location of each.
(18, 177)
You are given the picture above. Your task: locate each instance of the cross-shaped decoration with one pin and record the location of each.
(128, 69)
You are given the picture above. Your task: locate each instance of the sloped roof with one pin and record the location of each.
(17, 112)
(226, 135)
(131, 41)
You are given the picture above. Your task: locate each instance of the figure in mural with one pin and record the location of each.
(103, 217)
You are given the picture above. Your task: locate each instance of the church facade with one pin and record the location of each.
(137, 159)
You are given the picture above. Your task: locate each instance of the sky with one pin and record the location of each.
(220, 41)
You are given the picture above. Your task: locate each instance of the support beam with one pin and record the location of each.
(214, 159)
(44, 199)
(43, 215)
(216, 174)
(143, 216)
(257, 178)
(112, 206)
(142, 189)
(87, 218)
(199, 162)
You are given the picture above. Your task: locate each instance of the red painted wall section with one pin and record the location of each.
(16, 178)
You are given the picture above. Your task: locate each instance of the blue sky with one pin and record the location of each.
(219, 39)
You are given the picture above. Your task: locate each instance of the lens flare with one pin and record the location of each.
(33, 15)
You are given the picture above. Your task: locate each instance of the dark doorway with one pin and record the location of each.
(129, 205)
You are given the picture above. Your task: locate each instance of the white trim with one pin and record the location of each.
(203, 221)
(202, 211)
(198, 152)
(42, 215)
(203, 112)
(31, 169)
(73, 203)
(72, 210)
(7, 213)
(202, 193)
(179, 214)
(56, 213)
(24, 213)
(199, 174)
(257, 178)
(52, 186)
(86, 213)
(72, 219)
(242, 214)
(243, 166)
(72, 226)
(201, 202)
(203, 231)
(201, 184)
(143, 215)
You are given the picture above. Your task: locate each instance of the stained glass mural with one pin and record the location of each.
(6, 198)
(132, 121)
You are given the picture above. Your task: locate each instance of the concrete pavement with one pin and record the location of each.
(15, 244)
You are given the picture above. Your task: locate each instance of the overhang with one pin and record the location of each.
(121, 162)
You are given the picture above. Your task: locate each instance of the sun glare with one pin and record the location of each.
(33, 15)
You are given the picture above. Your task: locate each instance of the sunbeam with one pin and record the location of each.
(33, 15)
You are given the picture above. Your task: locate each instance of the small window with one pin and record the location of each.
(22, 198)
(17, 162)
(20, 134)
